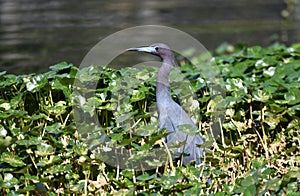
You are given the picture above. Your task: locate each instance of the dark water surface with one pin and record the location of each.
(35, 34)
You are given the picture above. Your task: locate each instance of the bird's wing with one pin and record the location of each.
(171, 118)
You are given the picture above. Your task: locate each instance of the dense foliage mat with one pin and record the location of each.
(257, 153)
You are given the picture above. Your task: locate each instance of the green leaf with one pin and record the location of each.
(49, 160)
(37, 82)
(125, 117)
(78, 186)
(9, 181)
(57, 169)
(44, 149)
(188, 129)
(60, 66)
(146, 177)
(29, 142)
(293, 96)
(255, 52)
(13, 160)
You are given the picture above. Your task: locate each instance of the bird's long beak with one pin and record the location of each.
(147, 49)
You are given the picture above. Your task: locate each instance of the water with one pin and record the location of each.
(36, 34)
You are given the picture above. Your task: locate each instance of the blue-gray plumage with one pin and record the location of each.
(170, 114)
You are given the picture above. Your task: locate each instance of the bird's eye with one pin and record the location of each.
(156, 48)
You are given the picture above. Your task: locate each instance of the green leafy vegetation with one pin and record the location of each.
(44, 153)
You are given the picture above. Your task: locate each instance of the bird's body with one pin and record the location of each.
(170, 114)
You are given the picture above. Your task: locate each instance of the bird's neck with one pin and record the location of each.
(163, 84)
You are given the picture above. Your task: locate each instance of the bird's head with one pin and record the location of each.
(158, 49)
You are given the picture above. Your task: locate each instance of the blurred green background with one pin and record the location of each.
(37, 34)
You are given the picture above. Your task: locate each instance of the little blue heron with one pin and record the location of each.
(170, 114)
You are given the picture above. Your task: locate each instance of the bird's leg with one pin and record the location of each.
(182, 154)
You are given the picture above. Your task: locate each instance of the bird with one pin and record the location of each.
(170, 114)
